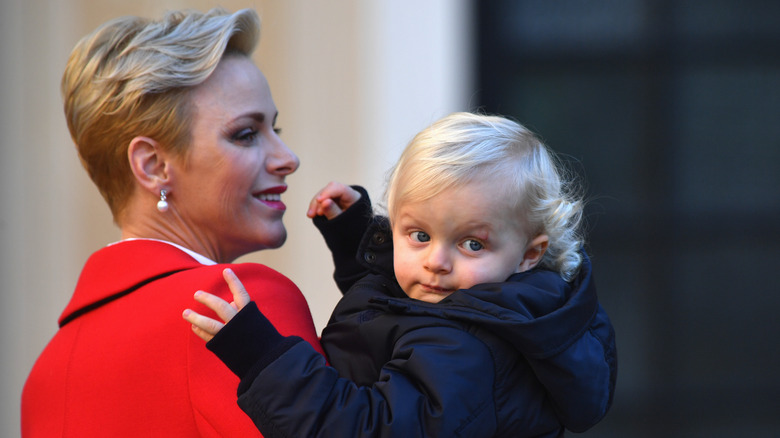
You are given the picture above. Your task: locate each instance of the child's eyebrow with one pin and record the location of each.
(487, 227)
(404, 219)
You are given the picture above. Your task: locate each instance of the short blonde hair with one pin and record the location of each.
(463, 147)
(133, 76)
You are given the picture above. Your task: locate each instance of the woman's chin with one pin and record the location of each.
(275, 239)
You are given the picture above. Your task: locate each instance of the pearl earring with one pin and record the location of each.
(162, 204)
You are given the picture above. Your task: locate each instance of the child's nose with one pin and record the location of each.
(438, 259)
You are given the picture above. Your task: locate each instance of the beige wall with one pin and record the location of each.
(353, 80)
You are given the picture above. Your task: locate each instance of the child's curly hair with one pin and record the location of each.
(464, 146)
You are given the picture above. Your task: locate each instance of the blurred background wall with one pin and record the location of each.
(353, 81)
(667, 108)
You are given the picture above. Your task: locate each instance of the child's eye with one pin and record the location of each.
(473, 245)
(420, 236)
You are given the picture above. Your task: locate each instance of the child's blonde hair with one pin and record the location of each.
(464, 146)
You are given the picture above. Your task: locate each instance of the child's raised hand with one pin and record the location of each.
(206, 327)
(332, 200)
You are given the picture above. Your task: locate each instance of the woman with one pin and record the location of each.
(175, 125)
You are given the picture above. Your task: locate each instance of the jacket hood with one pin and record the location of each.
(536, 311)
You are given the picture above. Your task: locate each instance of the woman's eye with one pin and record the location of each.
(420, 236)
(473, 245)
(245, 136)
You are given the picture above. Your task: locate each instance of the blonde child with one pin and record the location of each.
(469, 311)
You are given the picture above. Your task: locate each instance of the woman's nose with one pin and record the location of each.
(283, 160)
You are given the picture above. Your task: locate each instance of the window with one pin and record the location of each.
(671, 111)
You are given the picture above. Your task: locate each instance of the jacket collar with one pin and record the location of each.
(536, 311)
(119, 269)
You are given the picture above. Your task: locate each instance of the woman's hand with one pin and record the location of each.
(332, 200)
(206, 327)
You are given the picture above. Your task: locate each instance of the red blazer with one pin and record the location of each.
(125, 364)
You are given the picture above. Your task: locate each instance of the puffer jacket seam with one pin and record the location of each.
(473, 331)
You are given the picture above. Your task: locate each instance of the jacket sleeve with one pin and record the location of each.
(343, 235)
(288, 390)
(214, 409)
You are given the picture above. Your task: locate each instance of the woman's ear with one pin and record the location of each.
(534, 252)
(148, 163)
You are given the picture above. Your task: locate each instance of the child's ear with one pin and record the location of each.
(534, 252)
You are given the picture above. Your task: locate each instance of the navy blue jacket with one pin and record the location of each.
(522, 358)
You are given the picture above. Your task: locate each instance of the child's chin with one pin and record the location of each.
(431, 297)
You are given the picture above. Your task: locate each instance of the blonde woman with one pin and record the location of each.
(175, 125)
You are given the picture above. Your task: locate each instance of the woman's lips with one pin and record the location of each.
(272, 197)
